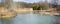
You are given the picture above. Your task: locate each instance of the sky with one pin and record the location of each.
(28, 1)
(32, 1)
(0, 0)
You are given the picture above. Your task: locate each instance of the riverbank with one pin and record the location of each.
(6, 13)
(25, 10)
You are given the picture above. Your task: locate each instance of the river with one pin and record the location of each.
(31, 18)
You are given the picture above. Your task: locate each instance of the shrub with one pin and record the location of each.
(36, 7)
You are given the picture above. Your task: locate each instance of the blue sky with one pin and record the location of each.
(0, 0)
(28, 1)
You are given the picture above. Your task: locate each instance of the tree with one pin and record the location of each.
(36, 7)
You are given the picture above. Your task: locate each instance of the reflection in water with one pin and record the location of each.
(30, 18)
(6, 21)
(36, 12)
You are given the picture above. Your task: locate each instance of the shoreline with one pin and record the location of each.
(49, 11)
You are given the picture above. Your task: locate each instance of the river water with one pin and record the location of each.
(31, 18)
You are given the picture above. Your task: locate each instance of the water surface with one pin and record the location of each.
(30, 18)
